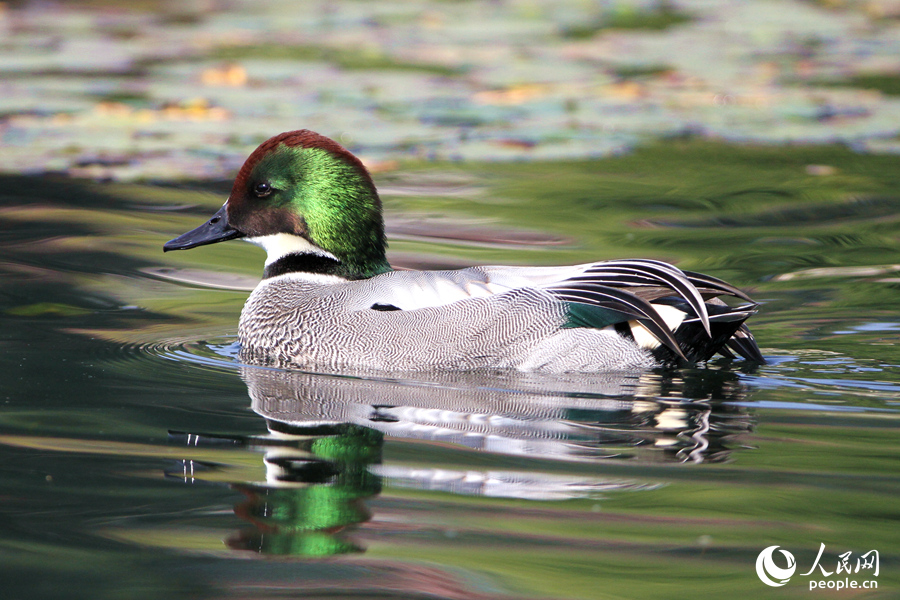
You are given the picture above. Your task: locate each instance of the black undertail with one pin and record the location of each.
(727, 333)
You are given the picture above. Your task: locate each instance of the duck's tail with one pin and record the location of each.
(728, 335)
(675, 314)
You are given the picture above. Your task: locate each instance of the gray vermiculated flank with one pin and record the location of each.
(289, 321)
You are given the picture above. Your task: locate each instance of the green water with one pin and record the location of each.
(139, 460)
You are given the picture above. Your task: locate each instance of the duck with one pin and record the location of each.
(329, 299)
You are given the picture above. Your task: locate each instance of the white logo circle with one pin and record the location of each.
(766, 567)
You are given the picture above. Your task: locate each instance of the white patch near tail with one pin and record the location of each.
(671, 315)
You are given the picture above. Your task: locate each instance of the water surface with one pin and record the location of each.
(141, 460)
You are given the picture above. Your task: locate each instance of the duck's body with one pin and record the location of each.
(329, 299)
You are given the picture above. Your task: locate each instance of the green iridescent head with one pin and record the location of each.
(301, 191)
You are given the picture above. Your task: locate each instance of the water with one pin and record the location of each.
(140, 460)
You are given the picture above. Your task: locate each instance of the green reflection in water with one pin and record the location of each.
(310, 501)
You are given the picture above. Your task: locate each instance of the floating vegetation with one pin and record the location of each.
(638, 71)
(886, 83)
(626, 16)
(154, 92)
(354, 59)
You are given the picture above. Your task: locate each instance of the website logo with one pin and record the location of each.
(774, 575)
(770, 573)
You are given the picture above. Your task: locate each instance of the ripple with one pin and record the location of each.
(185, 359)
(204, 278)
(836, 383)
(848, 382)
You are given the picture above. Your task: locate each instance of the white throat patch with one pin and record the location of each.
(278, 245)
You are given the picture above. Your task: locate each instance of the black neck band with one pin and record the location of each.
(304, 263)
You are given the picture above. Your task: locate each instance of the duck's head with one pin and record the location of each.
(310, 203)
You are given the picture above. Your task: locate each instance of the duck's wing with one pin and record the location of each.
(656, 295)
(648, 279)
(667, 303)
(411, 290)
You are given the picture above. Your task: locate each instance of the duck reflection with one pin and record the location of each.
(689, 415)
(311, 499)
(316, 479)
(323, 450)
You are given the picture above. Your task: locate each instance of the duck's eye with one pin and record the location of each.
(262, 189)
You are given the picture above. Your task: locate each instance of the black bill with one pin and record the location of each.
(214, 230)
